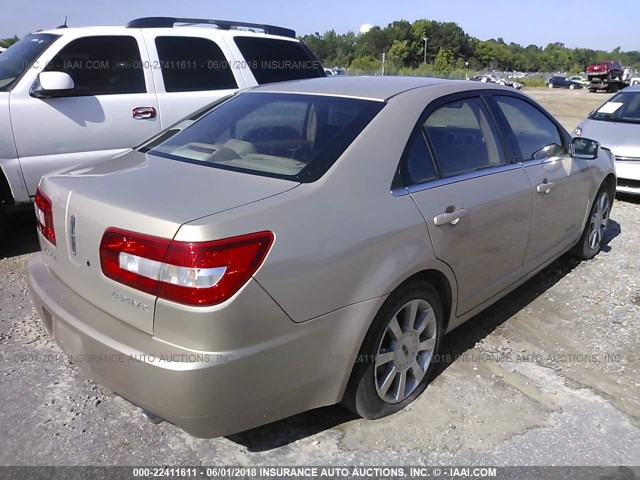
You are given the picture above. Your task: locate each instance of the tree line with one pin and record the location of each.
(449, 47)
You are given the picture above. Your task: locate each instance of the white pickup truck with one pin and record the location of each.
(78, 95)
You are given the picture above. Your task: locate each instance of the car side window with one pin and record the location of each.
(463, 138)
(191, 64)
(102, 65)
(418, 161)
(536, 135)
(272, 60)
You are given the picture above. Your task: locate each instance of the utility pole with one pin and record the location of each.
(426, 41)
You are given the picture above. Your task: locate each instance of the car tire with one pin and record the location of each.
(572, 87)
(550, 85)
(3, 221)
(393, 369)
(592, 237)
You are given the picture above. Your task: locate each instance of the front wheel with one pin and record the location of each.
(592, 238)
(397, 355)
(550, 85)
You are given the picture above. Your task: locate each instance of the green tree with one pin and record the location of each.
(7, 42)
(444, 60)
(398, 53)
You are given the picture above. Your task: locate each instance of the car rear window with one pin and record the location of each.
(289, 136)
(272, 60)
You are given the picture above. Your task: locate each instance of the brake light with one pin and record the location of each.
(44, 216)
(191, 273)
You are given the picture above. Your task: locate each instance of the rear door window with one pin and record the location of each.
(272, 60)
(463, 138)
(191, 64)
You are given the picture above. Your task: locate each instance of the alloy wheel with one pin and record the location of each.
(599, 220)
(405, 351)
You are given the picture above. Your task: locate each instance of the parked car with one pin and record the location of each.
(335, 71)
(579, 79)
(306, 243)
(562, 82)
(616, 124)
(497, 80)
(101, 90)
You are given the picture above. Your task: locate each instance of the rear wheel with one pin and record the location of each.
(3, 221)
(592, 238)
(397, 355)
(550, 85)
(572, 87)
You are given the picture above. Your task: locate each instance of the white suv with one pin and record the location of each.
(77, 95)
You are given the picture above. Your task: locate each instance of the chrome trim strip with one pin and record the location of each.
(455, 179)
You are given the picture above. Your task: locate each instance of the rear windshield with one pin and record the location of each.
(295, 137)
(623, 107)
(272, 60)
(21, 56)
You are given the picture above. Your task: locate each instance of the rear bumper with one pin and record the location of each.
(207, 394)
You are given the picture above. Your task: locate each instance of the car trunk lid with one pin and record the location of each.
(135, 192)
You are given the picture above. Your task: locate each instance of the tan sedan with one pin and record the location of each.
(308, 243)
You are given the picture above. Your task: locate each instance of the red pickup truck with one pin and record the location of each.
(605, 76)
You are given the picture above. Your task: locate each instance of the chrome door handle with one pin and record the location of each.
(449, 217)
(143, 113)
(544, 187)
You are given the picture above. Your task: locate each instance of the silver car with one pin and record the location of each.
(308, 243)
(616, 125)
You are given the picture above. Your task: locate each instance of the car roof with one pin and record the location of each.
(373, 88)
(198, 31)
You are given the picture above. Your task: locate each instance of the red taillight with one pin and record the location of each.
(44, 216)
(192, 273)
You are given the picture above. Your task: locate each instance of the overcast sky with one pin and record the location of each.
(576, 23)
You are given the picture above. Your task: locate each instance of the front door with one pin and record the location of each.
(477, 206)
(560, 183)
(94, 121)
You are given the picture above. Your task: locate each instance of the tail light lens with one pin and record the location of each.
(44, 216)
(191, 273)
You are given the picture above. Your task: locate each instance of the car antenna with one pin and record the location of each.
(65, 23)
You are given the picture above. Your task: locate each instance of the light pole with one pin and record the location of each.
(426, 41)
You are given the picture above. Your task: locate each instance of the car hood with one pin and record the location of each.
(623, 139)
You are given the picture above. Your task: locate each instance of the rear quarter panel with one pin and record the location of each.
(345, 238)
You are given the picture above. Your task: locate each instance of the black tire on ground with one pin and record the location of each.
(3, 222)
(361, 395)
(592, 237)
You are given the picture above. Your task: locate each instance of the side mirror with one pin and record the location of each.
(584, 148)
(52, 84)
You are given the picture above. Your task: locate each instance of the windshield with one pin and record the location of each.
(624, 108)
(20, 56)
(290, 136)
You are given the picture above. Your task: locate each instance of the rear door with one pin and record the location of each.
(94, 121)
(190, 71)
(560, 183)
(476, 204)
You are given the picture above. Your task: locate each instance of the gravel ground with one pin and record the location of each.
(547, 376)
